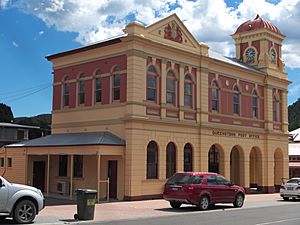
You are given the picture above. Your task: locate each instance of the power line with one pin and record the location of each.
(26, 95)
(14, 92)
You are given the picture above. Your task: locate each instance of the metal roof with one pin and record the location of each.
(72, 139)
(18, 126)
(232, 61)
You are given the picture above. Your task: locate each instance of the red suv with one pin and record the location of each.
(202, 189)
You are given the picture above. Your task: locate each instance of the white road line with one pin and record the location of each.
(278, 221)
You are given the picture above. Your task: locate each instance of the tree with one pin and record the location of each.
(6, 114)
(294, 115)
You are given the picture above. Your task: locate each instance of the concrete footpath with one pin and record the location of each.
(111, 211)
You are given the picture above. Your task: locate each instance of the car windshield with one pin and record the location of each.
(180, 179)
(293, 181)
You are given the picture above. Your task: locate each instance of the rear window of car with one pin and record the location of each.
(185, 179)
(293, 181)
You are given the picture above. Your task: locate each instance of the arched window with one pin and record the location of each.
(66, 92)
(188, 158)
(188, 91)
(98, 89)
(152, 84)
(171, 160)
(152, 160)
(116, 83)
(215, 96)
(171, 88)
(276, 109)
(81, 91)
(236, 100)
(254, 104)
(98, 86)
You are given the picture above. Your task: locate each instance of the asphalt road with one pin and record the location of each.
(272, 215)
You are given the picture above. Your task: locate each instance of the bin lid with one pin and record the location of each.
(87, 191)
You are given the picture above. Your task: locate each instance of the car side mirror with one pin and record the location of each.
(230, 183)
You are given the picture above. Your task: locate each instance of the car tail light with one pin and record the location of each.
(282, 187)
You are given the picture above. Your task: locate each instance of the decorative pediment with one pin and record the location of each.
(172, 29)
(169, 31)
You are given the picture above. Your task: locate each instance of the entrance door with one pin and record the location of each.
(113, 175)
(39, 175)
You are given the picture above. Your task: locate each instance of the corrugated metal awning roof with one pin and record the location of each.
(72, 139)
(18, 126)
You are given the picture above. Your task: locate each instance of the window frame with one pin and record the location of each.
(150, 173)
(152, 74)
(188, 164)
(63, 169)
(189, 81)
(215, 88)
(78, 166)
(236, 100)
(81, 89)
(171, 159)
(255, 106)
(98, 91)
(171, 91)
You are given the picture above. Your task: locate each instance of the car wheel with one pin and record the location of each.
(285, 198)
(239, 201)
(175, 205)
(203, 203)
(24, 212)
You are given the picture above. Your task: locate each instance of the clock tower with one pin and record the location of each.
(258, 43)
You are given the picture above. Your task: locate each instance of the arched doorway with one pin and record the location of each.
(278, 168)
(215, 159)
(256, 173)
(236, 165)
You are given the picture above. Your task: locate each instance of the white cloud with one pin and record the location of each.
(4, 3)
(15, 44)
(209, 21)
(294, 90)
(41, 32)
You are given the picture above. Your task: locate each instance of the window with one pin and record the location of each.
(254, 104)
(180, 179)
(171, 85)
(198, 180)
(236, 100)
(215, 96)
(63, 166)
(81, 92)
(211, 180)
(188, 158)
(66, 94)
(21, 134)
(1, 162)
(78, 166)
(152, 162)
(171, 160)
(151, 84)
(188, 91)
(116, 87)
(9, 162)
(98, 89)
(276, 109)
(222, 181)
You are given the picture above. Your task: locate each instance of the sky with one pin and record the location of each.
(32, 29)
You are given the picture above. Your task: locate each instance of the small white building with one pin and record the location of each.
(294, 153)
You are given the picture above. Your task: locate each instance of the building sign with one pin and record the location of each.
(235, 134)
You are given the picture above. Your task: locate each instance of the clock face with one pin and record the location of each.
(273, 55)
(250, 55)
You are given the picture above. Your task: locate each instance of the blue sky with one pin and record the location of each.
(31, 29)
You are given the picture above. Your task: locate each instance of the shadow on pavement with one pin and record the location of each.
(52, 201)
(194, 209)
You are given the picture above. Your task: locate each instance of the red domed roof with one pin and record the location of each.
(256, 24)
